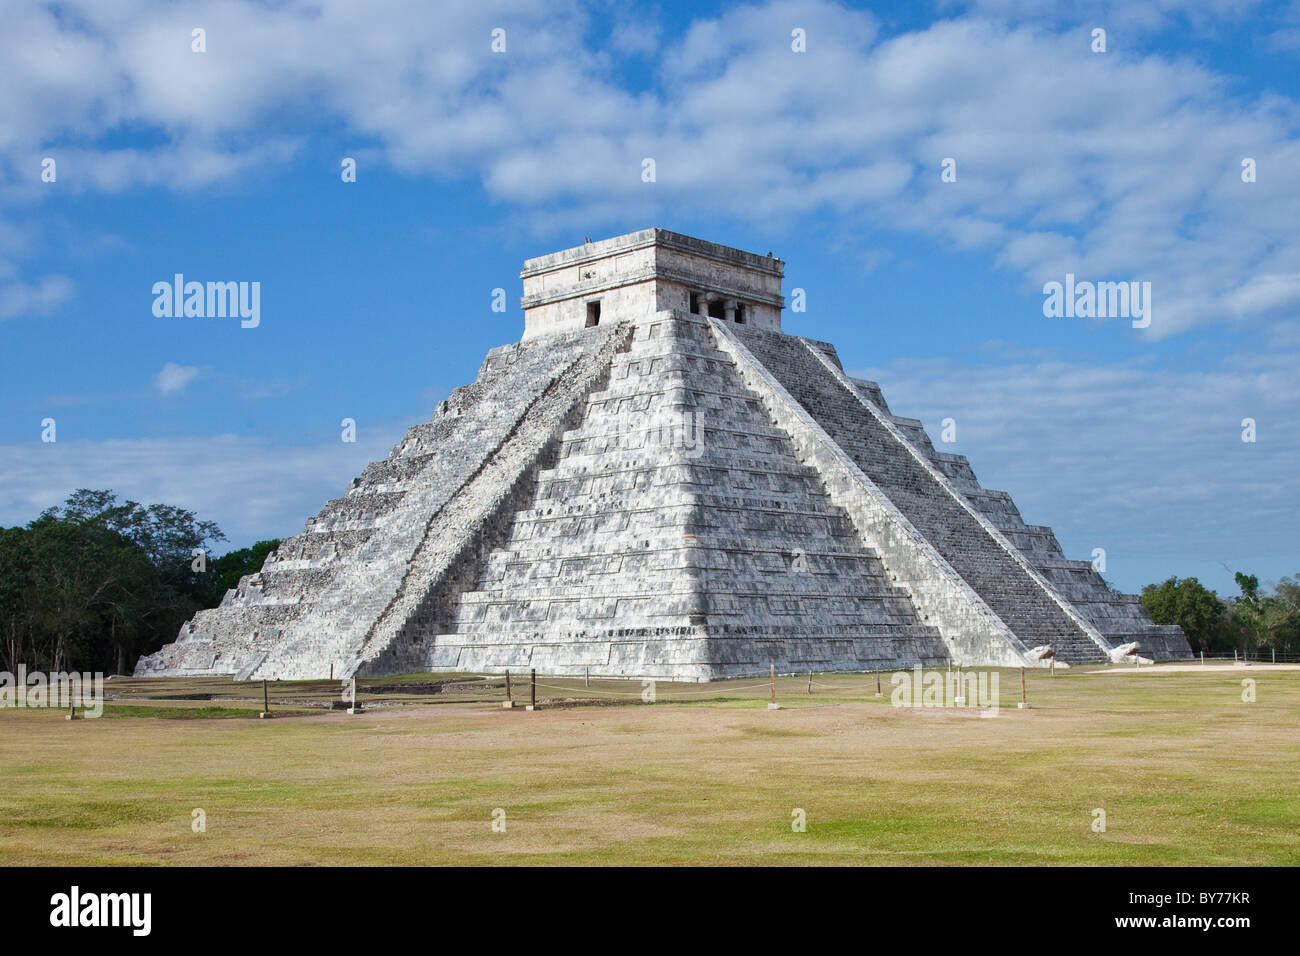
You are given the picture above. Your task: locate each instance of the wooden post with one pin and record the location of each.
(810, 683)
(586, 681)
(1024, 702)
(508, 697)
(774, 683)
(878, 694)
(266, 705)
(331, 670)
(533, 681)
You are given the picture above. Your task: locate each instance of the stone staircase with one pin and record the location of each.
(711, 557)
(308, 612)
(1120, 618)
(1022, 602)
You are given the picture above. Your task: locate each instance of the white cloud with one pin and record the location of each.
(1116, 166)
(1122, 166)
(1266, 293)
(1121, 17)
(21, 298)
(39, 298)
(253, 488)
(1135, 456)
(174, 378)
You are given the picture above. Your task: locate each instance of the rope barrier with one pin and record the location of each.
(715, 692)
(486, 688)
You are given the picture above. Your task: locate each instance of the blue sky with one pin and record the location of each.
(224, 165)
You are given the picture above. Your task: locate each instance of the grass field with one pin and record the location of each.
(1185, 770)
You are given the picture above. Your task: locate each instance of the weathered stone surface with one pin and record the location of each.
(642, 488)
(700, 549)
(317, 599)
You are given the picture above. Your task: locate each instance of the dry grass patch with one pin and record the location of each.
(1187, 772)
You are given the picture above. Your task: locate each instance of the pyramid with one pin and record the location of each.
(656, 481)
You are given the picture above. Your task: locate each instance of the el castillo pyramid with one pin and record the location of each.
(656, 481)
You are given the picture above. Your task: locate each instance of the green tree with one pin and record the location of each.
(75, 573)
(15, 562)
(1246, 614)
(1288, 592)
(1279, 615)
(169, 536)
(1190, 605)
(233, 565)
(92, 583)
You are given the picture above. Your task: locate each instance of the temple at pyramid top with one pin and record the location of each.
(657, 481)
(650, 271)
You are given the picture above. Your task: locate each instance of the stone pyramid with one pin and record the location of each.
(657, 482)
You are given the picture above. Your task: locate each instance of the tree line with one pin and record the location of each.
(94, 583)
(1252, 622)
